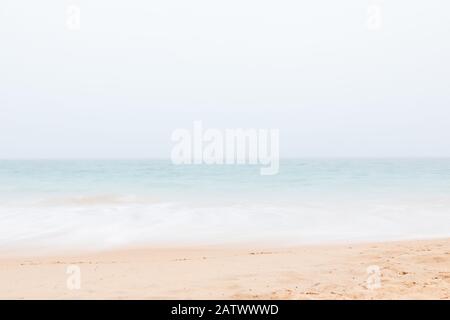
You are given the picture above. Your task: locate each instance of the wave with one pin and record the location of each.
(102, 199)
(109, 221)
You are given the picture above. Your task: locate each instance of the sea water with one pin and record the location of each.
(101, 204)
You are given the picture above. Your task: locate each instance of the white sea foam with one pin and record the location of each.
(105, 222)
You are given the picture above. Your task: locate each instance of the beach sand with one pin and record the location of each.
(408, 270)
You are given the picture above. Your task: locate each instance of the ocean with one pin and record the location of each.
(50, 205)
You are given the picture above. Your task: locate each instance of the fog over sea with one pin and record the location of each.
(50, 205)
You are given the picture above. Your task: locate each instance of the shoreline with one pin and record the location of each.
(412, 269)
(21, 252)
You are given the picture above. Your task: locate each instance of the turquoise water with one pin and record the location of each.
(159, 177)
(105, 203)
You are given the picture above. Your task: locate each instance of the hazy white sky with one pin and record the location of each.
(138, 69)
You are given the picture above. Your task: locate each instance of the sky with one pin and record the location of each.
(333, 82)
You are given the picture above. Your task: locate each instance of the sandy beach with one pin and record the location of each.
(408, 270)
